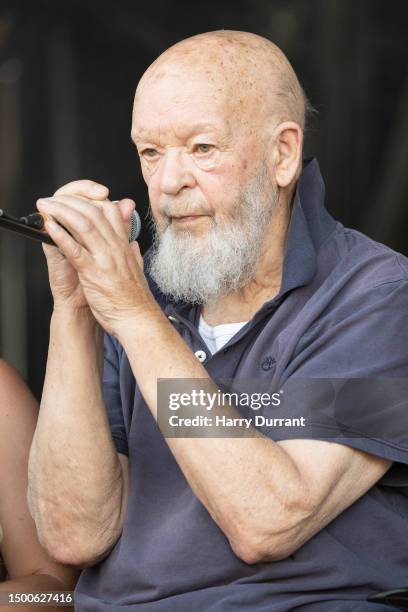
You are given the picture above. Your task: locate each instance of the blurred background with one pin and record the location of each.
(68, 71)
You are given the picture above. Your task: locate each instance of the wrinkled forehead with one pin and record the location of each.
(177, 87)
(178, 97)
(242, 78)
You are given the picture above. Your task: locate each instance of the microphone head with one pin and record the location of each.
(135, 226)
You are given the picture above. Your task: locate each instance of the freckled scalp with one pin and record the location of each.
(249, 74)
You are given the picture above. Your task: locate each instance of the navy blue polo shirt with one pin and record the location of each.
(341, 312)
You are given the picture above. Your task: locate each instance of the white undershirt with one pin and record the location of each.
(216, 336)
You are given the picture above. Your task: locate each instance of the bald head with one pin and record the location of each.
(251, 73)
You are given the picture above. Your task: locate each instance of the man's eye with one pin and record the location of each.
(204, 148)
(149, 153)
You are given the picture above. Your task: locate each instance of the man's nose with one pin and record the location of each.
(175, 172)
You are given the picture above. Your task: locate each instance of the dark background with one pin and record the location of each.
(68, 71)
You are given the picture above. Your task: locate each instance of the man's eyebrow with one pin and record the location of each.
(201, 126)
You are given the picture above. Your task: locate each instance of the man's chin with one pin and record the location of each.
(185, 243)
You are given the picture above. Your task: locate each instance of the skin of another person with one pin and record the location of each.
(207, 113)
(29, 567)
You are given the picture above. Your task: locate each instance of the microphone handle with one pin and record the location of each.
(32, 226)
(14, 225)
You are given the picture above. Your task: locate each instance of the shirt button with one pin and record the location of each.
(201, 355)
(171, 318)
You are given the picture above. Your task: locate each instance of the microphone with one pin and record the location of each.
(135, 226)
(37, 220)
(33, 225)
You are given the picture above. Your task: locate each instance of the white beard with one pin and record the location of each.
(201, 269)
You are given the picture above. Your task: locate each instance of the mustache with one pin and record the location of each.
(183, 207)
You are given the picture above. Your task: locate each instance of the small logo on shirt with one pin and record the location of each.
(267, 363)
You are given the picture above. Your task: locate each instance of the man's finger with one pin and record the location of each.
(67, 246)
(84, 188)
(126, 207)
(119, 214)
(88, 224)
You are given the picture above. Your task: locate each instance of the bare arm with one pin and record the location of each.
(78, 498)
(77, 481)
(268, 497)
(29, 568)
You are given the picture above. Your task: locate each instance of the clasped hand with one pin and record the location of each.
(97, 267)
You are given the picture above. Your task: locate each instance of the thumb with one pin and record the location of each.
(126, 207)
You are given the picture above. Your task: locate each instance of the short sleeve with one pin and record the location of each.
(361, 347)
(112, 396)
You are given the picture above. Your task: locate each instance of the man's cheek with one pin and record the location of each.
(226, 181)
(150, 170)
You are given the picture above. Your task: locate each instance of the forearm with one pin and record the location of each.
(35, 583)
(232, 477)
(75, 481)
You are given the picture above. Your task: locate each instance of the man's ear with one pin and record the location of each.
(287, 143)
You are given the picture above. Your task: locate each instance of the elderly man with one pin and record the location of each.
(248, 277)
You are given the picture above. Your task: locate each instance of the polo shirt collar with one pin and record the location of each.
(309, 226)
